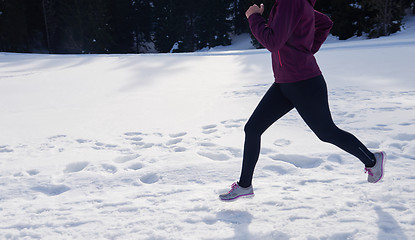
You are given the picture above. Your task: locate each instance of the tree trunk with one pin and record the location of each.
(46, 25)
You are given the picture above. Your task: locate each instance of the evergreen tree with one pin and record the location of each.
(121, 25)
(13, 26)
(324, 6)
(353, 17)
(409, 4)
(348, 17)
(124, 26)
(191, 18)
(382, 10)
(131, 25)
(84, 26)
(50, 23)
(169, 24)
(142, 23)
(387, 16)
(240, 24)
(214, 23)
(37, 41)
(191, 25)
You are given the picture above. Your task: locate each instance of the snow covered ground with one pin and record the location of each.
(140, 146)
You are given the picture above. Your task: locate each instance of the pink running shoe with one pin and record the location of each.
(378, 171)
(236, 192)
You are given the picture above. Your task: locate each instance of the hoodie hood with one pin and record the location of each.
(312, 2)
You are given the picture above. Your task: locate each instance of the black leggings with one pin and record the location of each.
(309, 97)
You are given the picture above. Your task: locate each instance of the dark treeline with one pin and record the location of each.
(374, 17)
(134, 26)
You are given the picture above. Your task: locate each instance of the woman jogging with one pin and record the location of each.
(293, 34)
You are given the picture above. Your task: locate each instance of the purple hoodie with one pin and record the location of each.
(294, 32)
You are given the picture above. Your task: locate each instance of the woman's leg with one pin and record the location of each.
(272, 107)
(310, 99)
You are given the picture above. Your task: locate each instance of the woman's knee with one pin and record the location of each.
(328, 134)
(252, 129)
(325, 137)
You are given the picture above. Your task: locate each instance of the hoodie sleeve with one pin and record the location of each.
(323, 25)
(275, 35)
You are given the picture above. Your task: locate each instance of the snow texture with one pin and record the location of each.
(140, 146)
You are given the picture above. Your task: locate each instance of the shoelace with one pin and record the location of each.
(234, 186)
(369, 171)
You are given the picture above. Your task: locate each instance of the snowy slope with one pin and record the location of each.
(139, 146)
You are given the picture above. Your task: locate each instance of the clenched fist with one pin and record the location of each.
(255, 9)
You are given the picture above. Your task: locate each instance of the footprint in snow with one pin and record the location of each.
(98, 145)
(294, 218)
(127, 158)
(176, 135)
(135, 166)
(234, 123)
(110, 146)
(79, 140)
(208, 129)
(136, 139)
(33, 172)
(75, 167)
(4, 149)
(241, 120)
(109, 168)
(128, 210)
(298, 160)
(265, 151)
(236, 152)
(57, 136)
(404, 137)
(180, 149)
(207, 144)
(150, 178)
(52, 190)
(176, 138)
(209, 126)
(104, 146)
(147, 145)
(282, 142)
(381, 127)
(278, 169)
(173, 141)
(18, 174)
(133, 134)
(335, 158)
(214, 156)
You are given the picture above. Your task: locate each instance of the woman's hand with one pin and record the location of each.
(255, 9)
